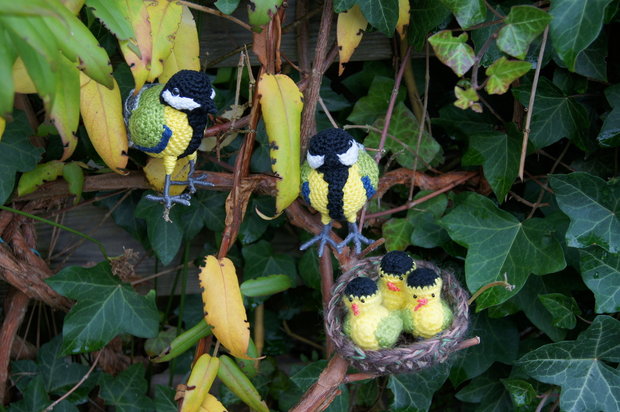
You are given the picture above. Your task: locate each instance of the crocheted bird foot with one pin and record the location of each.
(168, 200)
(357, 238)
(192, 182)
(323, 238)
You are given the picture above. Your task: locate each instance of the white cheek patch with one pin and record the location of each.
(315, 161)
(212, 94)
(179, 102)
(349, 157)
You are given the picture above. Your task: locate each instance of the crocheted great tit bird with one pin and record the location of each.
(168, 121)
(426, 314)
(369, 325)
(393, 271)
(338, 178)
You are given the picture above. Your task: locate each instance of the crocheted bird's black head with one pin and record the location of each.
(422, 277)
(396, 263)
(332, 148)
(361, 287)
(189, 90)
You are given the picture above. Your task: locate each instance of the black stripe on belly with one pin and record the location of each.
(198, 122)
(336, 178)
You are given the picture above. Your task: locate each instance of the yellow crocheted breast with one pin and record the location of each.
(393, 300)
(181, 132)
(364, 326)
(429, 320)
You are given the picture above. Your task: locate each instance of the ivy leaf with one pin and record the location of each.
(127, 391)
(35, 397)
(478, 388)
(17, 154)
(372, 106)
(574, 26)
(382, 14)
(308, 267)
(414, 391)
(402, 140)
(165, 237)
(426, 231)
(499, 154)
(499, 245)
(593, 206)
(563, 309)
(454, 52)
(164, 399)
(527, 301)
(261, 261)
(601, 272)
(105, 308)
(522, 393)
(503, 72)
(467, 98)
(523, 25)
(467, 12)
(226, 7)
(425, 16)
(555, 115)
(609, 135)
(592, 62)
(397, 233)
(581, 367)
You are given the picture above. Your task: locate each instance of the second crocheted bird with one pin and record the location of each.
(426, 314)
(338, 178)
(393, 271)
(168, 121)
(369, 325)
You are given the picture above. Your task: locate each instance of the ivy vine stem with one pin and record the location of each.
(483, 289)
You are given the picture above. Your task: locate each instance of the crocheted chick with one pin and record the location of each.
(168, 121)
(426, 314)
(338, 178)
(393, 271)
(369, 325)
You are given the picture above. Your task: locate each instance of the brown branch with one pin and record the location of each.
(216, 13)
(327, 282)
(325, 389)
(15, 309)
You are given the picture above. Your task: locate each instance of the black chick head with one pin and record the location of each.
(361, 287)
(331, 148)
(422, 277)
(396, 263)
(189, 90)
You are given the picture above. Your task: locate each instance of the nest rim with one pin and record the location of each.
(414, 355)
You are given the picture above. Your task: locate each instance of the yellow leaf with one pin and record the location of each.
(2, 126)
(223, 305)
(281, 105)
(186, 50)
(155, 174)
(350, 29)
(165, 17)
(102, 113)
(21, 78)
(64, 112)
(403, 17)
(138, 51)
(199, 382)
(211, 404)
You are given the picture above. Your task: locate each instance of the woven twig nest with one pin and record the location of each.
(409, 354)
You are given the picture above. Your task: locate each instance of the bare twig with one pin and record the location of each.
(300, 338)
(488, 286)
(327, 113)
(216, 13)
(427, 80)
(327, 281)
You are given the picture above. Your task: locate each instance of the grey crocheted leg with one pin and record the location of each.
(168, 200)
(323, 238)
(192, 182)
(357, 238)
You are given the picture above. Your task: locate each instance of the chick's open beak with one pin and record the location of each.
(391, 286)
(421, 302)
(355, 309)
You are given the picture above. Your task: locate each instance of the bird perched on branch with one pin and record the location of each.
(394, 268)
(338, 178)
(369, 325)
(168, 122)
(426, 314)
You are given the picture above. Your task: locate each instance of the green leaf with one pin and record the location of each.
(609, 136)
(261, 11)
(308, 267)
(17, 154)
(261, 261)
(467, 12)
(214, 211)
(467, 98)
(574, 26)
(601, 273)
(370, 107)
(397, 233)
(555, 115)
(563, 309)
(581, 367)
(164, 399)
(114, 14)
(502, 73)
(165, 237)
(161, 342)
(499, 154)
(414, 391)
(74, 175)
(227, 6)
(402, 140)
(35, 397)
(425, 16)
(266, 285)
(343, 5)
(499, 342)
(105, 308)
(127, 391)
(8, 54)
(593, 206)
(523, 25)
(522, 393)
(592, 62)
(478, 389)
(424, 218)
(60, 374)
(44, 172)
(499, 245)
(454, 52)
(482, 38)
(381, 14)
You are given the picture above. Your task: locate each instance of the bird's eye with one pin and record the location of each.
(349, 157)
(432, 294)
(362, 300)
(176, 91)
(315, 161)
(415, 296)
(400, 278)
(350, 299)
(381, 275)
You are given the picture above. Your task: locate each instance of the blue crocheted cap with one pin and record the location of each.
(422, 277)
(195, 85)
(361, 287)
(329, 143)
(396, 263)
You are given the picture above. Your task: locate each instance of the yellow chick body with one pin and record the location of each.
(393, 271)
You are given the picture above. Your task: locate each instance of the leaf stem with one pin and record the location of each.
(58, 225)
(483, 289)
